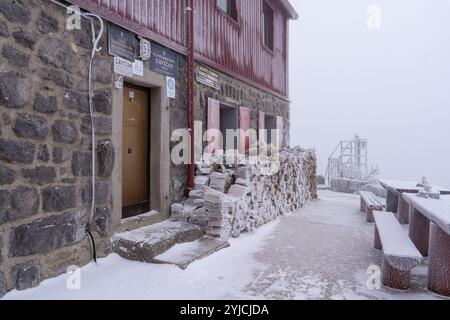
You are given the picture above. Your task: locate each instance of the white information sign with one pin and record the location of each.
(138, 68)
(123, 67)
(171, 87)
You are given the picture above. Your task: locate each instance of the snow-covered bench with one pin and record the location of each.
(399, 253)
(370, 203)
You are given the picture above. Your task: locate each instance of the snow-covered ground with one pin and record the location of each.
(319, 252)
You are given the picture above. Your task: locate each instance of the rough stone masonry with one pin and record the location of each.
(45, 157)
(45, 148)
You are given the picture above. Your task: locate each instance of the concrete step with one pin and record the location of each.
(146, 243)
(182, 255)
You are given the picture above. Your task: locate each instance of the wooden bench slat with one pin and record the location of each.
(397, 247)
(371, 200)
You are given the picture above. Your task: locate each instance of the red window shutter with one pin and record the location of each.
(262, 121)
(213, 123)
(245, 126)
(280, 127)
(261, 127)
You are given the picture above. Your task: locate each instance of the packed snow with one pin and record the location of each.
(322, 251)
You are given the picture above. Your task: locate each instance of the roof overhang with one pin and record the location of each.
(290, 9)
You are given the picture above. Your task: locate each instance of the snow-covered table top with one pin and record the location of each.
(435, 210)
(408, 186)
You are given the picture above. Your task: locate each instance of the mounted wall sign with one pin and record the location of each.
(138, 68)
(164, 61)
(123, 67)
(207, 77)
(145, 49)
(122, 42)
(171, 87)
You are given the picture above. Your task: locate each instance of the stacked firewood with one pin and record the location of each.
(234, 200)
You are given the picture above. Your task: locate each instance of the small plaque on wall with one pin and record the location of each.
(138, 68)
(123, 67)
(171, 87)
(207, 77)
(122, 42)
(164, 61)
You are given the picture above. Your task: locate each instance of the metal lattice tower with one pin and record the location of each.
(349, 160)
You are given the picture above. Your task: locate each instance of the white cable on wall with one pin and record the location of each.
(95, 49)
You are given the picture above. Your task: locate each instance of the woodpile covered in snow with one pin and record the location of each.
(228, 200)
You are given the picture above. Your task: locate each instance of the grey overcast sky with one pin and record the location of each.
(390, 86)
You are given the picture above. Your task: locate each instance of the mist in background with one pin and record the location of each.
(390, 86)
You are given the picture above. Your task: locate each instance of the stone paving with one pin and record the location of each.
(323, 251)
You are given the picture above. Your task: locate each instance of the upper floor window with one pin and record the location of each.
(229, 7)
(268, 20)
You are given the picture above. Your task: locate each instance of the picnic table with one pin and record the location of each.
(395, 201)
(429, 230)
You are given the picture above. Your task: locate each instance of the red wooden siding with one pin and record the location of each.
(237, 46)
(233, 47)
(160, 20)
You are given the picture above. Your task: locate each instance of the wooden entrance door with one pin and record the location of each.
(136, 151)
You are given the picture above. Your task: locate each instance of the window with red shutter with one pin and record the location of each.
(245, 126)
(261, 126)
(280, 128)
(214, 124)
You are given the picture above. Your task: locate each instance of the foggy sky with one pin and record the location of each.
(390, 86)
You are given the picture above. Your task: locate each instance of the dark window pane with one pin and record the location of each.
(223, 4)
(229, 7)
(268, 17)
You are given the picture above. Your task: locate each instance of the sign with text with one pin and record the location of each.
(123, 67)
(121, 42)
(207, 77)
(171, 87)
(138, 68)
(164, 61)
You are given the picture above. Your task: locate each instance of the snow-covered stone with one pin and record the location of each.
(146, 243)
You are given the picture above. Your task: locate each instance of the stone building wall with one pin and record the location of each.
(45, 144)
(179, 120)
(45, 140)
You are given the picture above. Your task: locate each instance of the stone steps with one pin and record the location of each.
(146, 243)
(183, 255)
